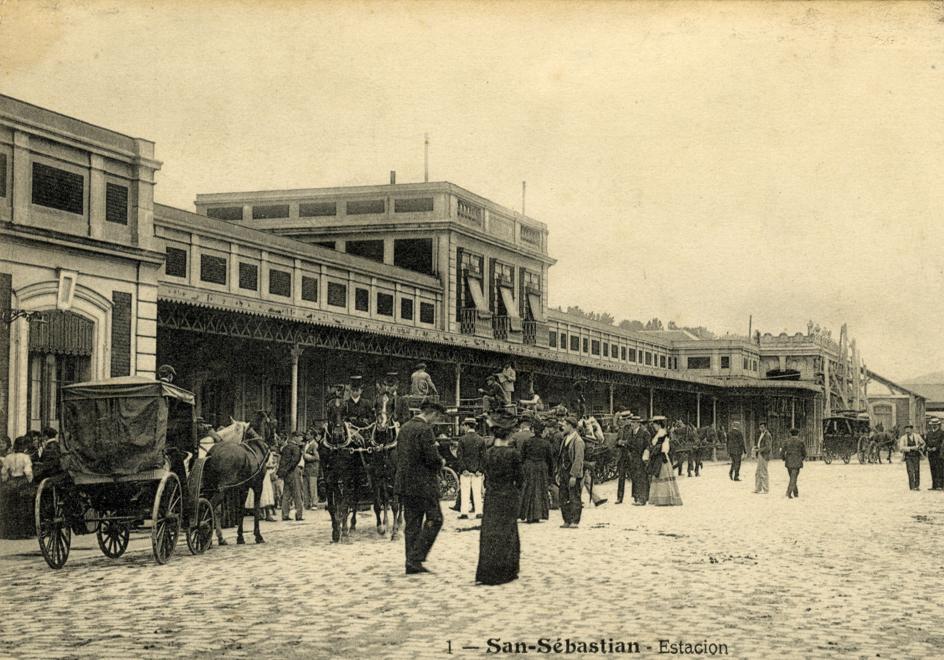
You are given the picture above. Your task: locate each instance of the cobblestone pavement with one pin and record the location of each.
(851, 569)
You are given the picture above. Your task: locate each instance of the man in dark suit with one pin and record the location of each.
(471, 468)
(290, 469)
(735, 451)
(793, 453)
(358, 410)
(48, 455)
(417, 484)
(623, 441)
(935, 447)
(570, 470)
(639, 444)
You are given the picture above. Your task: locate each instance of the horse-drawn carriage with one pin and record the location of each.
(129, 465)
(844, 436)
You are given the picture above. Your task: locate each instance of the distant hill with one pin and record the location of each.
(934, 378)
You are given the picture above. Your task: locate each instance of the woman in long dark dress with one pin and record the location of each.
(499, 547)
(538, 461)
(17, 492)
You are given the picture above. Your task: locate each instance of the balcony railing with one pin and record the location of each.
(467, 318)
(501, 325)
(530, 332)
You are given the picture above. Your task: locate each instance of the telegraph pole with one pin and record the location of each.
(426, 158)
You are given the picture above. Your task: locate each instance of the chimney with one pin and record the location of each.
(393, 177)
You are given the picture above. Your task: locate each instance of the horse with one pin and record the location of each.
(238, 463)
(879, 441)
(682, 441)
(343, 468)
(382, 470)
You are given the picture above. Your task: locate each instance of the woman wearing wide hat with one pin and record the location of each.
(499, 546)
(538, 460)
(663, 489)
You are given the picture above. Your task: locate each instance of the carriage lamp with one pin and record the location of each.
(10, 315)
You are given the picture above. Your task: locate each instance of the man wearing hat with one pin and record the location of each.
(935, 444)
(291, 464)
(166, 373)
(417, 484)
(357, 410)
(638, 443)
(911, 445)
(493, 396)
(570, 474)
(623, 436)
(735, 446)
(421, 384)
(471, 468)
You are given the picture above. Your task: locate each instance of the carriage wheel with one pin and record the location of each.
(448, 484)
(200, 532)
(52, 528)
(112, 536)
(846, 457)
(165, 518)
(827, 456)
(863, 457)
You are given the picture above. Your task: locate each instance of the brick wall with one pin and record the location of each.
(120, 334)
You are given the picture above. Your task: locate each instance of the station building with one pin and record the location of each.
(264, 300)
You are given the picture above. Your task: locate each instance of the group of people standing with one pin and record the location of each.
(913, 447)
(24, 463)
(793, 453)
(513, 474)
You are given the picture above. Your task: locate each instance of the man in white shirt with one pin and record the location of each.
(911, 445)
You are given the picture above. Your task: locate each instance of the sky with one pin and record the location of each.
(697, 162)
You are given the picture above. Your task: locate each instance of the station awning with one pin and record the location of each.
(511, 307)
(475, 287)
(534, 304)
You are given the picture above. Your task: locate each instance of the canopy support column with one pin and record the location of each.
(698, 409)
(611, 398)
(458, 393)
(652, 411)
(296, 353)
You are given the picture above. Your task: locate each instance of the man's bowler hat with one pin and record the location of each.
(430, 405)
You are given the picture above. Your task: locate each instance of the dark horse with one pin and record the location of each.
(343, 470)
(382, 469)
(682, 443)
(237, 465)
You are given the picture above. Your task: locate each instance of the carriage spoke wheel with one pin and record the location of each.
(827, 457)
(165, 518)
(112, 536)
(200, 532)
(52, 528)
(448, 484)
